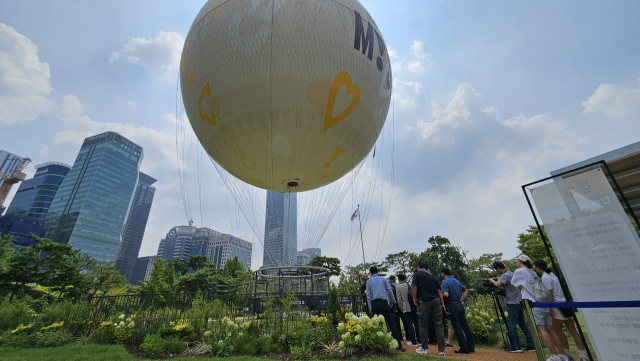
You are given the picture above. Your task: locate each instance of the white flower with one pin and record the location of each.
(225, 319)
(241, 334)
(121, 316)
(354, 318)
(131, 324)
(380, 334)
(341, 344)
(359, 328)
(340, 325)
(220, 342)
(121, 323)
(394, 344)
(357, 338)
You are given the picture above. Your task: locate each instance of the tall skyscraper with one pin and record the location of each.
(92, 203)
(141, 270)
(25, 215)
(281, 230)
(133, 231)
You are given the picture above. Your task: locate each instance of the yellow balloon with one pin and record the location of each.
(286, 95)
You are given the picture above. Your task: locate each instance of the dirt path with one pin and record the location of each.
(481, 354)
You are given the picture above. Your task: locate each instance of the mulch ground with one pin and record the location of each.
(481, 354)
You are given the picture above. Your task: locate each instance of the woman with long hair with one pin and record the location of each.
(560, 316)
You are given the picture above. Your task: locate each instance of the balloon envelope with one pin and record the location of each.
(286, 95)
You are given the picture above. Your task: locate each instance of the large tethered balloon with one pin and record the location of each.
(286, 95)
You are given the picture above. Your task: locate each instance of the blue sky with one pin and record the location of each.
(487, 96)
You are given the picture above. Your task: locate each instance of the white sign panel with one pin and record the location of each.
(599, 254)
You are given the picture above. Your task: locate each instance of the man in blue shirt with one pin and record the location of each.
(378, 295)
(455, 293)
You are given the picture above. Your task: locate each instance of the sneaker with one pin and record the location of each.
(441, 353)
(514, 350)
(569, 357)
(461, 351)
(554, 358)
(422, 351)
(529, 348)
(413, 344)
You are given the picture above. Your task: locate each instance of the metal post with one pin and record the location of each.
(361, 240)
(532, 325)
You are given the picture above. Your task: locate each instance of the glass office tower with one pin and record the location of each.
(281, 230)
(35, 195)
(25, 215)
(134, 227)
(9, 162)
(92, 203)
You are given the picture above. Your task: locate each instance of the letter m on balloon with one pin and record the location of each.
(362, 39)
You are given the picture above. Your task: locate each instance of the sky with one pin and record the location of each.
(487, 96)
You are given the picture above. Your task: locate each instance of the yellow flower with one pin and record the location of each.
(105, 324)
(53, 326)
(21, 327)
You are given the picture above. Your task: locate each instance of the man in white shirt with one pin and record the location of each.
(524, 278)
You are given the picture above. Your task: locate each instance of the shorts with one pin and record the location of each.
(562, 313)
(541, 318)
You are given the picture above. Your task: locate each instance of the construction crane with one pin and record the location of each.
(9, 180)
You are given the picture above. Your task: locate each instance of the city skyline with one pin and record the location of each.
(280, 230)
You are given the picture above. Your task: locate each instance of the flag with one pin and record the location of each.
(355, 214)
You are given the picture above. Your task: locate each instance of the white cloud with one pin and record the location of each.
(161, 55)
(406, 93)
(613, 101)
(418, 63)
(132, 103)
(24, 80)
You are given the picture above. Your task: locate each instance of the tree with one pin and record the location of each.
(351, 277)
(162, 278)
(330, 263)
(400, 262)
(443, 254)
(6, 251)
(105, 277)
(24, 269)
(480, 269)
(334, 311)
(66, 268)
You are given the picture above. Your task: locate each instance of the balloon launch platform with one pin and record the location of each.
(308, 287)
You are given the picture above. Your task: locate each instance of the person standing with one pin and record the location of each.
(395, 309)
(378, 295)
(515, 313)
(524, 277)
(363, 289)
(407, 312)
(560, 316)
(455, 293)
(427, 296)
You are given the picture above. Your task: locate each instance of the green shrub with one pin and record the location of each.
(334, 310)
(223, 348)
(301, 352)
(153, 346)
(482, 321)
(53, 338)
(15, 313)
(175, 346)
(308, 335)
(365, 333)
(19, 340)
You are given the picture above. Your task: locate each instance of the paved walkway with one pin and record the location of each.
(481, 354)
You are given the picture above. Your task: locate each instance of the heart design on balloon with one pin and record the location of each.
(342, 79)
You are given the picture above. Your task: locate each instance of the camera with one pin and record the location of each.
(487, 283)
(499, 292)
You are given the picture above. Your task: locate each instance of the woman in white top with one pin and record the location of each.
(524, 278)
(560, 316)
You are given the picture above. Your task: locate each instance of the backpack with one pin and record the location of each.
(540, 292)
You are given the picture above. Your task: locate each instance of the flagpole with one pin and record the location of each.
(361, 241)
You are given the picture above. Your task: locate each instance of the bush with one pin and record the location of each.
(334, 310)
(301, 352)
(153, 346)
(14, 314)
(53, 338)
(483, 322)
(174, 345)
(366, 334)
(26, 340)
(223, 348)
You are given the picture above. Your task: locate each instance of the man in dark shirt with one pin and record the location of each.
(455, 293)
(427, 295)
(363, 290)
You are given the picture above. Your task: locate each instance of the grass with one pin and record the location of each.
(118, 353)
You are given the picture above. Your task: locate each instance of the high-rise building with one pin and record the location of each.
(9, 162)
(141, 270)
(281, 230)
(305, 256)
(11, 166)
(177, 243)
(186, 241)
(92, 203)
(135, 225)
(25, 215)
(34, 196)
